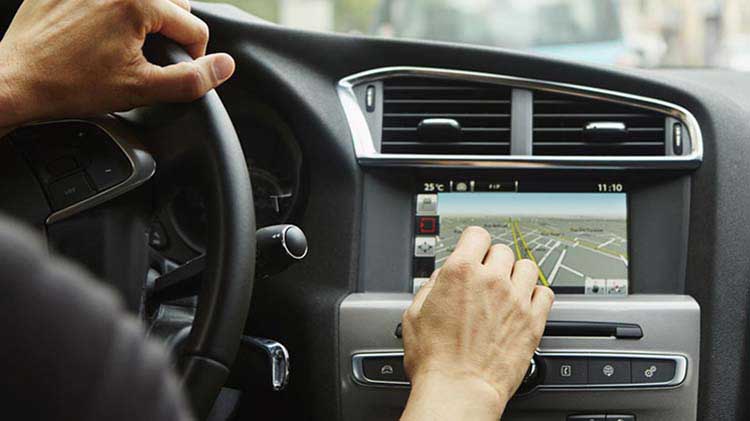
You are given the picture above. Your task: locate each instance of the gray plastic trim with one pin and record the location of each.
(671, 327)
(142, 165)
(368, 155)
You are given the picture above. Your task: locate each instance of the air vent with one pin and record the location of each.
(440, 116)
(567, 125)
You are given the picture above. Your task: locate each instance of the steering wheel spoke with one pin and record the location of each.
(81, 164)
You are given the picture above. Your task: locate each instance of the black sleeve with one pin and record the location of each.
(69, 351)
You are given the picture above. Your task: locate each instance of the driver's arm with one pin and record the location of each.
(471, 331)
(70, 351)
(78, 58)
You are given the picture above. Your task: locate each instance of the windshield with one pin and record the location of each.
(639, 33)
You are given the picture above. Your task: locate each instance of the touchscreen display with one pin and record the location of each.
(578, 238)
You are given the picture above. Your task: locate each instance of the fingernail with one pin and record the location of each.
(223, 67)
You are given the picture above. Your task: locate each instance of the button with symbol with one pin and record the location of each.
(566, 370)
(69, 190)
(389, 369)
(652, 371)
(609, 371)
(563, 371)
(424, 246)
(428, 225)
(462, 186)
(427, 204)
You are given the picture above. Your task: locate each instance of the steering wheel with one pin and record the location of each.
(224, 299)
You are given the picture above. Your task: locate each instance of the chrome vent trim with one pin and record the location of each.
(367, 154)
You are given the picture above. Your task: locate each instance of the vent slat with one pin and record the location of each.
(481, 110)
(446, 101)
(465, 130)
(448, 115)
(560, 123)
(593, 115)
(573, 129)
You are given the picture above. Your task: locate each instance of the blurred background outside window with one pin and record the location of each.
(641, 33)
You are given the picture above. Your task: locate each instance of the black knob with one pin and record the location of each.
(279, 246)
(532, 379)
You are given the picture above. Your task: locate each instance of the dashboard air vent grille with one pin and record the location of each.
(569, 125)
(441, 116)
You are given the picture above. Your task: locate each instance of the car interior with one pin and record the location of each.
(367, 157)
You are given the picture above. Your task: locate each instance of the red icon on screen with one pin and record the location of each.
(427, 225)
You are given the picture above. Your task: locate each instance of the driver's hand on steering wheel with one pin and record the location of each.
(77, 58)
(472, 330)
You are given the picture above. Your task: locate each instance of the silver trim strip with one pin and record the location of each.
(141, 162)
(366, 153)
(278, 358)
(679, 376)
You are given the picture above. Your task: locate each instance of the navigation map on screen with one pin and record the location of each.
(579, 240)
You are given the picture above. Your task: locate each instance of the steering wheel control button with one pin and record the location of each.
(106, 174)
(652, 371)
(384, 369)
(566, 371)
(425, 246)
(609, 371)
(62, 166)
(69, 190)
(601, 417)
(108, 165)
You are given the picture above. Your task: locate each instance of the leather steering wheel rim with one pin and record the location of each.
(224, 298)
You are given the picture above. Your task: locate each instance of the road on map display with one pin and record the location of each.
(568, 251)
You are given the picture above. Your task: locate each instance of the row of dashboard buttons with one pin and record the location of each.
(568, 371)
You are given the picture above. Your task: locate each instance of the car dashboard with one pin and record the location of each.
(627, 187)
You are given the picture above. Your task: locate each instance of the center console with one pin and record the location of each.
(594, 186)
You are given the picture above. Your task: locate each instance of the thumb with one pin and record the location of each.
(187, 81)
